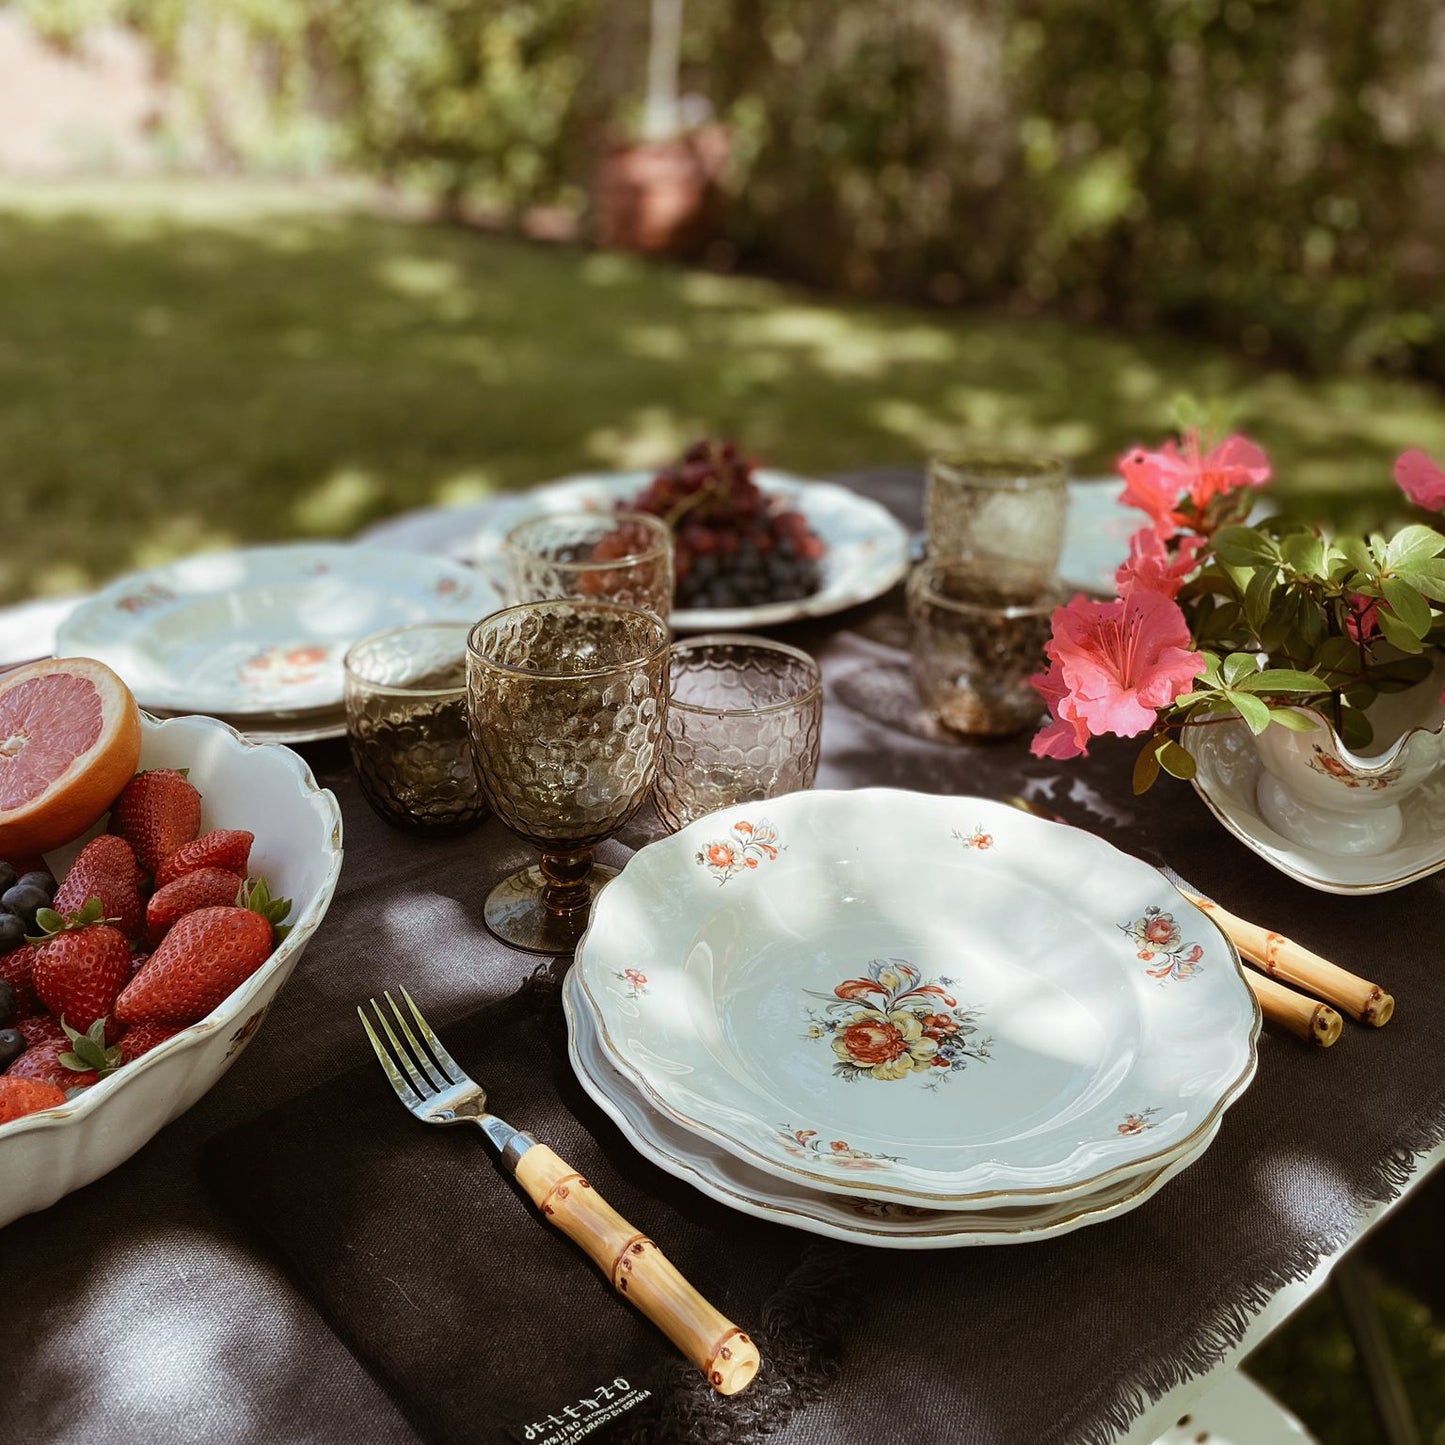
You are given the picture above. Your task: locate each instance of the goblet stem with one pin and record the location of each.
(567, 892)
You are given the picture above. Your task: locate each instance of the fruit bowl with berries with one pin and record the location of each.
(154, 939)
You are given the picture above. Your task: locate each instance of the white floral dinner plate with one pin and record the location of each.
(853, 1218)
(262, 631)
(867, 546)
(1229, 770)
(934, 1000)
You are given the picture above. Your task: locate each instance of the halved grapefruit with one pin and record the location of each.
(69, 742)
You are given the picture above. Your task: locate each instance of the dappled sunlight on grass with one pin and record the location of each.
(188, 365)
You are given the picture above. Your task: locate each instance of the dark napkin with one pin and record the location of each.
(431, 1263)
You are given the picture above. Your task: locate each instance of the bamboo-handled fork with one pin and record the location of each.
(434, 1087)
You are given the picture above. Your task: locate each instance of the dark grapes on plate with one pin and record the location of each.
(734, 546)
(8, 876)
(12, 1045)
(24, 899)
(9, 1006)
(41, 880)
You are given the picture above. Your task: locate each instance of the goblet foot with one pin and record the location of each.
(517, 910)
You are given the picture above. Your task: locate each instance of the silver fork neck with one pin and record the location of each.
(510, 1143)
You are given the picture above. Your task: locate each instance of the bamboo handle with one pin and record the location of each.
(1282, 958)
(639, 1271)
(1316, 1023)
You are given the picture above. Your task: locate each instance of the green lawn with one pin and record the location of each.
(186, 365)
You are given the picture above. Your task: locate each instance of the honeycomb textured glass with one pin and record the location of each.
(743, 724)
(622, 557)
(406, 722)
(567, 702)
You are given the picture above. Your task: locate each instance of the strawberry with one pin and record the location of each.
(205, 888)
(143, 1038)
(228, 848)
(16, 968)
(206, 956)
(81, 965)
(106, 869)
(73, 1061)
(42, 1029)
(156, 813)
(21, 1096)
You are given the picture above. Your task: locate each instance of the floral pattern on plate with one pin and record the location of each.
(891, 1023)
(1137, 1122)
(283, 667)
(808, 1143)
(1157, 935)
(977, 839)
(635, 980)
(749, 845)
(145, 598)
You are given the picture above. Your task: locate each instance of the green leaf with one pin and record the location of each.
(1239, 665)
(1296, 722)
(1251, 709)
(1304, 552)
(1245, 547)
(1397, 633)
(1258, 597)
(1146, 770)
(1426, 577)
(1413, 544)
(1175, 760)
(1356, 553)
(1282, 679)
(1337, 655)
(1408, 605)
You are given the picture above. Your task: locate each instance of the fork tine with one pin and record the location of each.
(404, 1091)
(420, 1081)
(433, 1043)
(427, 1064)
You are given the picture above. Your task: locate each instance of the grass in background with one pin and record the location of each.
(188, 365)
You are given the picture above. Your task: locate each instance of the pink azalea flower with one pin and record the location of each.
(1159, 482)
(1152, 569)
(1421, 480)
(1364, 619)
(1115, 665)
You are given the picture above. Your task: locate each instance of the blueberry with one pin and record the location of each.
(12, 1045)
(7, 877)
(8, 1006)
(43, 881)
(24, 899)
(12, 932)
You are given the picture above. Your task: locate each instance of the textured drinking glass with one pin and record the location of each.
(976, 642)
(623, 557)
(406, 721)
(992, 507)
(567, 707)
(743, 722)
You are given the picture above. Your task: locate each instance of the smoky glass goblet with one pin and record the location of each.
(743, 724)
(407, 726)
(567, 702)
(623, 557)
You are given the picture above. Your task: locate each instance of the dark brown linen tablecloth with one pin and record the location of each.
(137, 1308)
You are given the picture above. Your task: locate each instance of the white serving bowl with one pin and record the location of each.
(258, 786)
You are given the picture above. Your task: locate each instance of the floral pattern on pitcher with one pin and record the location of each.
(749, 845)
(1330, 766)
(977, 839)
(808, 1143)
(891, 1024)
(1160, 942)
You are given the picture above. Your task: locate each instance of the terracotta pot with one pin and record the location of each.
(660, 197)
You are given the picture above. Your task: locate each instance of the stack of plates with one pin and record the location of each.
(909, 1021)
(256, 637)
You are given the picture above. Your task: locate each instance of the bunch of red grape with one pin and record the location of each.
(734, 546)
